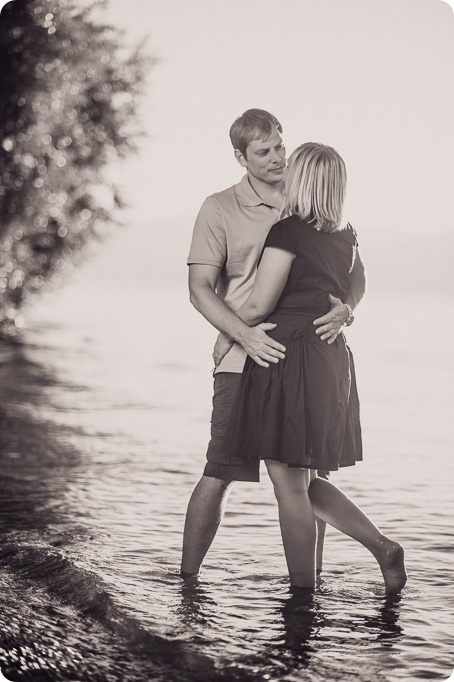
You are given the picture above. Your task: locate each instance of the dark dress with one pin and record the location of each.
(303, 410)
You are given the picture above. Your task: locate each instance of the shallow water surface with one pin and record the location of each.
(105, 420)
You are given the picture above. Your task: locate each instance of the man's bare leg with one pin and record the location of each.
(321, 531)
(331, 505)
(205, 511)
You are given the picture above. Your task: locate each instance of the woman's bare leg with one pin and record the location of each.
(332, 506)
(297, 521)
(321, 531)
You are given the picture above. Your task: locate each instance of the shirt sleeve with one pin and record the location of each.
(281, 237)
(209, 242)
(355, 236)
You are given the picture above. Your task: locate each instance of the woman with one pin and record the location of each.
(302, 414)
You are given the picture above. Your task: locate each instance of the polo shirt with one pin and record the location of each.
(229, 232)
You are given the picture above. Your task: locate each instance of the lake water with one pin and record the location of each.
(105, 421)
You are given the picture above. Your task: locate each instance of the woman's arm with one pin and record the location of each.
(269, 283)
(255, 341)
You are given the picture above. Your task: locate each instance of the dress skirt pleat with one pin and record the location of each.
(303, 410)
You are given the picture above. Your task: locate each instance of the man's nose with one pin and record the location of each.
(276, 156)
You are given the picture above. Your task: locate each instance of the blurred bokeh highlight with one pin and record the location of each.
(67, 111)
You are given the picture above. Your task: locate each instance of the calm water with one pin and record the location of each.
(105, 420)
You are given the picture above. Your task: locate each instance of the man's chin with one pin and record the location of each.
(276, 178)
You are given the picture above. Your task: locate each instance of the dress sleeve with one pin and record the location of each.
(281, 236)
(209, 242)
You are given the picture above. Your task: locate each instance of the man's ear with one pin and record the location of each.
(239, 156)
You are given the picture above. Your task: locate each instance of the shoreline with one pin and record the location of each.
(39, 546)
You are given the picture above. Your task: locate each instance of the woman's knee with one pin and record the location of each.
(288, 480)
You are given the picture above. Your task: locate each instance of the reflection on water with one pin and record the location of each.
(302, 621)
(301, 628)
(103, 433)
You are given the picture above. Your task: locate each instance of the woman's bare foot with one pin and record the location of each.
(390, 556)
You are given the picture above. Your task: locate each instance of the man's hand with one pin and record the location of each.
(329, 326)
(261, 347)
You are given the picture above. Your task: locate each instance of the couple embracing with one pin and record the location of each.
(274, 267)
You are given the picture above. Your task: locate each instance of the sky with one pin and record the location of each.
(373, 78)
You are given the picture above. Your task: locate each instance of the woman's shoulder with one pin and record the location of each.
(291, 230)
(283, 234)
(290, 224)
(280, 228)
(294, 221)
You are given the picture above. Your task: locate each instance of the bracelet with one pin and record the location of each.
(350, 317)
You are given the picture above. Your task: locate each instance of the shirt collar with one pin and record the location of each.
(249, 197)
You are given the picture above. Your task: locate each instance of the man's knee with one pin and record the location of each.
(210, 482)
(210, 487)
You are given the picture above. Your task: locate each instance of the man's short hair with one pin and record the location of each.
(254, 124)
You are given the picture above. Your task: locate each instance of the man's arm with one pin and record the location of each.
(329, 326)
(356, 283)
(202, 287)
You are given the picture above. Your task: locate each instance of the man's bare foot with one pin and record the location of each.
(390, 556)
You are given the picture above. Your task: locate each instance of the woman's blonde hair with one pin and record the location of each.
(315, 186)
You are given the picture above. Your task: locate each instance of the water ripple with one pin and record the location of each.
(96, 481)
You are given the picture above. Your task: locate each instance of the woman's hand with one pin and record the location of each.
(221, 348)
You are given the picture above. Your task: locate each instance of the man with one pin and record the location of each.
(228, 238)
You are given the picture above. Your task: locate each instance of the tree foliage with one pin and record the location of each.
(67, 110)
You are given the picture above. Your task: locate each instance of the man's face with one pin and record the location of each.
(265, 159)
